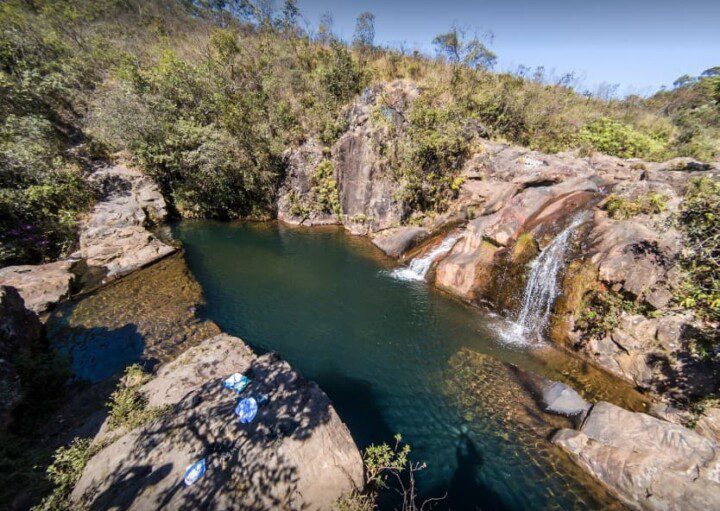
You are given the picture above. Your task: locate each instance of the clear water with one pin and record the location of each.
(399, 357)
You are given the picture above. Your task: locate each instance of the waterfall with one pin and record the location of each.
(542, 288)
(418, 267)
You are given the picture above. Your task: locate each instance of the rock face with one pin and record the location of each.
(114, 237)
(395, 242)
(364, 185)
(41, 286)
(19, 329)
(649, 463)
(295, 454)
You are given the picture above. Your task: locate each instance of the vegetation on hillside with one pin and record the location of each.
(207, 96)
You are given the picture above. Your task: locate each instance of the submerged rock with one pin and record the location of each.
(296, 454)
(649, 463)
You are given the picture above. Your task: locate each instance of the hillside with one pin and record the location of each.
(208, 104)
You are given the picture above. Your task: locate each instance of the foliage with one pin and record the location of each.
(620, 139)
(600, 312)
(364, 35)
(461, 48)
(324, 189)
(700, 223)
(128, 405)
(622, 208)
(67, 467)
(383, 462)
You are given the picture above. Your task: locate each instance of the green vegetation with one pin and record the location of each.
(700, 222)
(600, 311)
(324, 189)
(383, 462)
(128, 406)
(67, 467)
(207, 97)
(622, 208)
(620, 139)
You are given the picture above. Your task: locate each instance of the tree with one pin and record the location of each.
(325, 29)
(683, 81)
(364, 36)
(290, 15)
(459, 48)
(710, 72)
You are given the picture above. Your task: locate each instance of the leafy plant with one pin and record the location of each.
(324, 189)
(619, 139)
(67, 467)
(700, 223)
(128, 405)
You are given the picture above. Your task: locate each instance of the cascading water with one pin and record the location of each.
(541, 289)
(418, 267)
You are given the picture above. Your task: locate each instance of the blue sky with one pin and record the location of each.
(638, 44)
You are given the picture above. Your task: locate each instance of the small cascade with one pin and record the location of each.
(418, 267)
(542, 288)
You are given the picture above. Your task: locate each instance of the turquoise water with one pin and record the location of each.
(395, 357)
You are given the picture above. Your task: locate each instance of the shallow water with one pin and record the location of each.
(399, 357)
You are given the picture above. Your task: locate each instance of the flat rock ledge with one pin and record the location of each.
(114, 240)
(650, 464)
(296, 454)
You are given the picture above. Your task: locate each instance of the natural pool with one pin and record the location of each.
(394, 356)
(398, 357)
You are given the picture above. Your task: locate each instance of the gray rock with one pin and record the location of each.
(395, 242)
(41, 286)
(647, 462)
(114, 236)
(296, 454)
(559, 398)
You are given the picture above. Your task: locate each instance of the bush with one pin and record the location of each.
(619, 139)
(67, 467)
(128, 405)
(622, 208)
(324, 189)
(700, 223)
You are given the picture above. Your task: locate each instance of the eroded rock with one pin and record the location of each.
(295, 454)
(42, 286)
(649, 463)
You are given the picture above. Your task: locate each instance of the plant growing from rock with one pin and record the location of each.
(128, 405)
(324, 189)
(65, 470)
(623, 208)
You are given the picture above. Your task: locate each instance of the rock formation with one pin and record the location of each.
(296, 454)
(114, 240)
(649, 463)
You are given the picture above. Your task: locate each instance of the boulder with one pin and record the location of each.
(114, 237)
(395, 242)
(647, 462)
(41, 286)
(295, 454)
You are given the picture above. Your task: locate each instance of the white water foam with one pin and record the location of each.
(418, 267)
(541, 290)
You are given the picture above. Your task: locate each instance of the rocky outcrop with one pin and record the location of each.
(295, 454)
(41, 286)
(114, 238)
(649, 463)
(20, 330)
(396, 242)
(364, 185)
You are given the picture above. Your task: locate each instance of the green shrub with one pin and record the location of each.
(128, 405)
(600, 312)
(324, 189)
(622, 208)
(67, 467)
(700, 223)
(618, 139)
